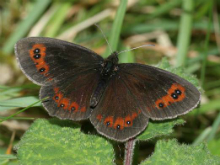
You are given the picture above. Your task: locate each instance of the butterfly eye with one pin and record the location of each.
(174, 96)
(36, 50)
(62, 105)
(37, 56)
(56, 97)
(178, 92)
(73, 108)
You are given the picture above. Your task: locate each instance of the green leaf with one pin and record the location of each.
(171, 153)
(61, 142)
(159, 128)
(213, 146)
(18, 102)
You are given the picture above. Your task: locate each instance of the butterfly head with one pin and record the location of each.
(113, 58)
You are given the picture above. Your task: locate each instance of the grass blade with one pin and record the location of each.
(22, 110)
(202, 136)
(202, 76)
(116, 29)
(215, 127)
(58, 19)
(22, 29)
(184, 32)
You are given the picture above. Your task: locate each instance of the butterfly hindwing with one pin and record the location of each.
(44, 60)
(161, 94)
(117, 115)
(70, 99)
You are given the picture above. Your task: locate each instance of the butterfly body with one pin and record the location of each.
(118, 99)
(110, 66)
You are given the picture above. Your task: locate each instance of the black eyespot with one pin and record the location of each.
(128, 122)
(73, 109)
(62, 105)
(118, 126)
(178, 92)
(161, 105)
(37, 56)
(174, 96)
(42, 69)
(108, 123)
(36, 50)
(56, 97)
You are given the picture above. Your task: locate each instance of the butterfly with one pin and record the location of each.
(118, 99)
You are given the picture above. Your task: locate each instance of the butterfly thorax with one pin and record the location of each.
(110, 66)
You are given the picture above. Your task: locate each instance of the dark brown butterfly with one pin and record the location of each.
(118, 99)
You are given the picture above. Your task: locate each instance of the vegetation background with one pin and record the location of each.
(186, 32)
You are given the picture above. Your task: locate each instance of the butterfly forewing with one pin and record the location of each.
(68, 74)
(45, 60)
(161, 94)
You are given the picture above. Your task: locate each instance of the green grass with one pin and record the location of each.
(116, 28)
(184, 35)
(206, 44)
(25, 25)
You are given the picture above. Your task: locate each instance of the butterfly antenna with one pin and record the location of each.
(104, 37)
(127, 50)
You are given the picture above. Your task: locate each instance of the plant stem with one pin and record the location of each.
(129, 151)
